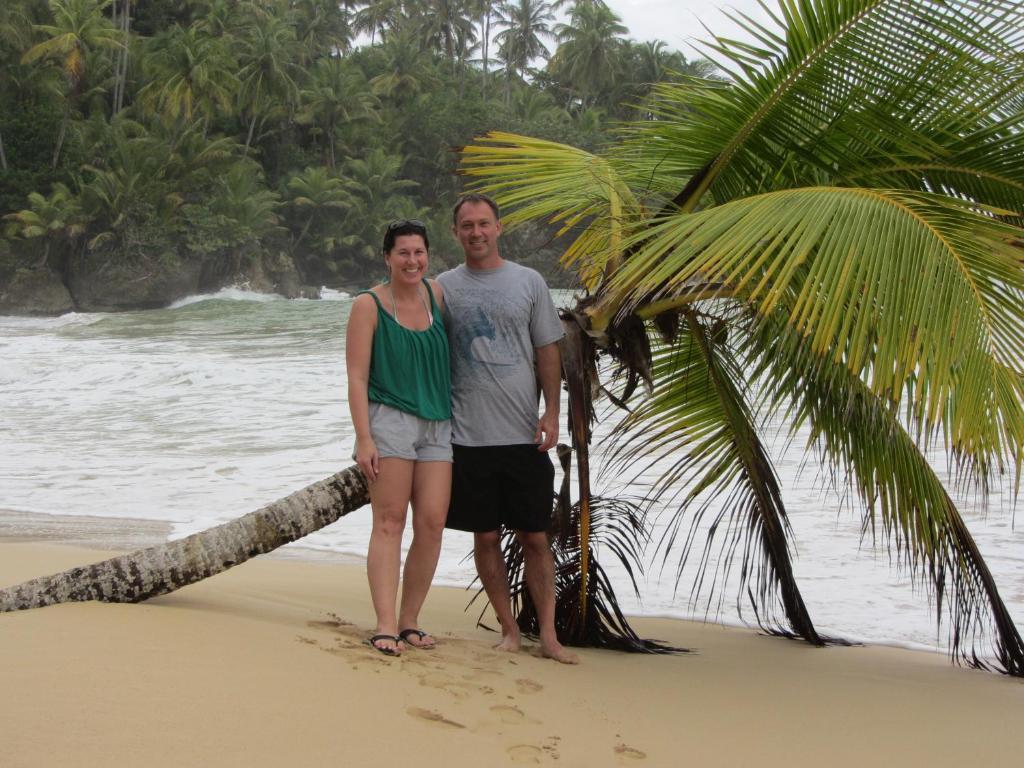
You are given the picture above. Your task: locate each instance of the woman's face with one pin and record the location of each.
(407, 260)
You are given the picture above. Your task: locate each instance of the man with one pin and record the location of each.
(503, 331)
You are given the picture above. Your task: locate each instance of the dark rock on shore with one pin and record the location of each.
(110, 280)
(38, 292)
(101, 282)
(260, 271)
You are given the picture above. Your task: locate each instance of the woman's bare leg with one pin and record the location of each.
(389, 498)
(431, 489)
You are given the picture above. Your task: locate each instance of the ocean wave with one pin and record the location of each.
(329, 294)
(228, 294)
(17, 322)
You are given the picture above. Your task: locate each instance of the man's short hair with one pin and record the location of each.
(473, 197)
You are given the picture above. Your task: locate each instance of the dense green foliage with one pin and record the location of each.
(209, 129)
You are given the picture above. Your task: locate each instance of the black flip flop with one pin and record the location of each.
(372, 642)
(406, 633)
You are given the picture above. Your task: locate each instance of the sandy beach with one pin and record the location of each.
(265, 665)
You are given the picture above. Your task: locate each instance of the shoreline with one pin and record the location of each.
(119, 535)
(266, 665)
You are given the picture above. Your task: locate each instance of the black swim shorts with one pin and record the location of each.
(494, 485)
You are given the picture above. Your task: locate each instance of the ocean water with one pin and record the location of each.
(204, 411)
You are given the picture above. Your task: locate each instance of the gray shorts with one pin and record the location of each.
(401, 435)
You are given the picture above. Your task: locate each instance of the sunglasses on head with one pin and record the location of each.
(406, 223)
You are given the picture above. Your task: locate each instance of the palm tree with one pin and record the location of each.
(376, 16)
(268, 57)
(324, 28)
(832, 235)
(57, 216)
(524, 22)
(317, 193)
(336, 95)
(79, 27)
(408, 70)
(190, 74)
(442, 24)
(588, 57)
(377, 195)
(15, 32)
(485, 8)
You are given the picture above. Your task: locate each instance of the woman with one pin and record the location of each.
(399, 394)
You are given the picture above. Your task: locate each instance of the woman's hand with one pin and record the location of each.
(367, 458)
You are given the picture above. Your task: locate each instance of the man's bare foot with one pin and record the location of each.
(510, 642)
(552, 649)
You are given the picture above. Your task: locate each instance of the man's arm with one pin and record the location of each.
(549, 373)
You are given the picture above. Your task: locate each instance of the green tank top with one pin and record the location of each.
(411, 370)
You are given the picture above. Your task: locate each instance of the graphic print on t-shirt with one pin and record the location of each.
(485, 339)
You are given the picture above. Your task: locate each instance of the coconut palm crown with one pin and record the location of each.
(834, 232)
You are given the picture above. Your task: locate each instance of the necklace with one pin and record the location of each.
(394, 307)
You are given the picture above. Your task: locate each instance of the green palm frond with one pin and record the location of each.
(921, 297)
(697, 420)
(554, 182)
(861, 438)
(872, 65)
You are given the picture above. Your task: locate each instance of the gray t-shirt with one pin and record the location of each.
(495, 320)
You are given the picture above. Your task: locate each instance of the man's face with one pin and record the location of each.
(478, 231)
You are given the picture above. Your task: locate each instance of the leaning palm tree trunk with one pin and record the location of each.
(140, 575)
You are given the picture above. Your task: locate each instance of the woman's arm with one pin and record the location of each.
(438, 293)
(362, 322)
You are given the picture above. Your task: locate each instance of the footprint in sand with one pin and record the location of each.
(510, 715)
(528, 686)
(525, 754)
(633, 754)
(457, 689)
(431, 716)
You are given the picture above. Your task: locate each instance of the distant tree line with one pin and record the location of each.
(208, 130)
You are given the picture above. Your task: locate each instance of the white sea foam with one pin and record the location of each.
(227, 294)
(329, 294)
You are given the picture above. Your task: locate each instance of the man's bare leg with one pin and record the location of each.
(490, 566)
(540, 580)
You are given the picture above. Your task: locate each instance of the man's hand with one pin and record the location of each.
(547, 431)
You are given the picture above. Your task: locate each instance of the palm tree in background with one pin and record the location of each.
(442, 23)
(377, 16)
(318, 196)
(589, 51)
(409, 66)
(524, 23)
(79, 27)
(190, 75)
(323, 27)
(268, 59)
(53, 217)
(15, 34)
(335, 95)
(832, 235)
(377, 195)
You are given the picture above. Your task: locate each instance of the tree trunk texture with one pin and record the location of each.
(121, 73)
(63, 131)
(146, 573)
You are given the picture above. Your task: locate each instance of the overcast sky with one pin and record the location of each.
(678, 22)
